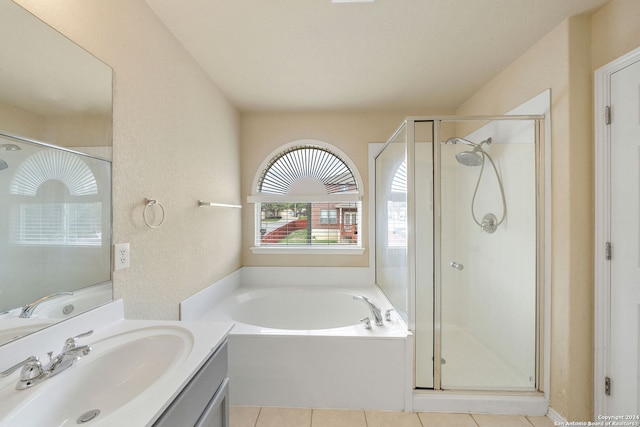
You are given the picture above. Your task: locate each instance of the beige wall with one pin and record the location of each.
(615, 31)
(73, 130)
(262, 133)
(17, 121)
(175, 139)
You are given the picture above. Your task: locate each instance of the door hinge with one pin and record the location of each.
(607, 386)
(607, 251)
(607, 115)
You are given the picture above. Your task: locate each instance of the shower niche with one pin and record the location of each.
(458, 228)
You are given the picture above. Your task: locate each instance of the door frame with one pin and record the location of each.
(602, 267)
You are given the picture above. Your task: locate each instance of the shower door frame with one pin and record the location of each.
(540, 179)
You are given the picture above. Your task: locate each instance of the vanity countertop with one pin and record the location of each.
(201, 338)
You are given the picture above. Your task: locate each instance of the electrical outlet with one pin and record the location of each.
(121, 256)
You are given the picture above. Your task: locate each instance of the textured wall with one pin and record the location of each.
(175, 139)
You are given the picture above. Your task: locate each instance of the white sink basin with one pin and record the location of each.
(119, 370)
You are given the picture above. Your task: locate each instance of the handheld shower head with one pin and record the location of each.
(3, 164)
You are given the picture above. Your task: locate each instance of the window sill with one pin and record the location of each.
(301, 250)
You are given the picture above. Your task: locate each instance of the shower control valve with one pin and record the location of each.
(456, 265)
(367, 322)
(489, 223)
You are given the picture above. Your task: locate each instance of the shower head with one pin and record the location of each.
(10, 147)
(3, 164)
(474, 157)
(470, 158)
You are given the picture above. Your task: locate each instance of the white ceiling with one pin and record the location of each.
(386, 55)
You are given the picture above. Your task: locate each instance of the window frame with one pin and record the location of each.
(355, 196)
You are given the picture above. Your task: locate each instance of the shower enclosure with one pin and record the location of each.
(458, 247)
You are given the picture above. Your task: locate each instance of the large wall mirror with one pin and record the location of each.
(55, 176)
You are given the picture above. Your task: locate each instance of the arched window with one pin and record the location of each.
(308, 196)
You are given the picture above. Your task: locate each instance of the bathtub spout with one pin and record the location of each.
(375, 311)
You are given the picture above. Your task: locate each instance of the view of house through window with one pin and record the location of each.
(325, 223)
(307, 195)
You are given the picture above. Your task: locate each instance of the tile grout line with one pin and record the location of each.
(419, 419)
(258, 417)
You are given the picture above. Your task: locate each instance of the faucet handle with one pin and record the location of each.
(387, 314)
(367, 322)
(72, 342)
(31, 368)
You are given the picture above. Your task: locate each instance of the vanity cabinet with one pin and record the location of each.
(204, 402)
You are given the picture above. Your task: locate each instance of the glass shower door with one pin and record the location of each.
(488, 256)
(391, 222)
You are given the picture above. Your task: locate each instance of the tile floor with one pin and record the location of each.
(250, 416)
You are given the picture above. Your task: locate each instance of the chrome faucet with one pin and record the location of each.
(28, 309)
(34, 373)
(375, 311)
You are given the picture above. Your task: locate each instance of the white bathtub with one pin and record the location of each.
(305, 347)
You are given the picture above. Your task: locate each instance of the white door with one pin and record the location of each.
(625, 242)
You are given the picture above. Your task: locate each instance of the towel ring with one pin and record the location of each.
(148, 203)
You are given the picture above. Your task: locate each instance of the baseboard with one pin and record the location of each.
(555, 416)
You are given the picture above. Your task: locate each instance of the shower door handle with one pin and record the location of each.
(457, 266)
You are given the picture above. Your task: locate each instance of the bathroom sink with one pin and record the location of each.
(118, 371)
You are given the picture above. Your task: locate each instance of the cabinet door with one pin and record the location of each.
(217, 412)
(186, 409)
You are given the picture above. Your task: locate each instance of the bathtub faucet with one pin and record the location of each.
(375, 311)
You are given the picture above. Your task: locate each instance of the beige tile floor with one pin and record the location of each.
(250, 416)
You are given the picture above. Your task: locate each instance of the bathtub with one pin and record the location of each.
(301, 346)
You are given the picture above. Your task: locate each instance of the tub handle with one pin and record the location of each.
(387, 314)
(367, 322)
